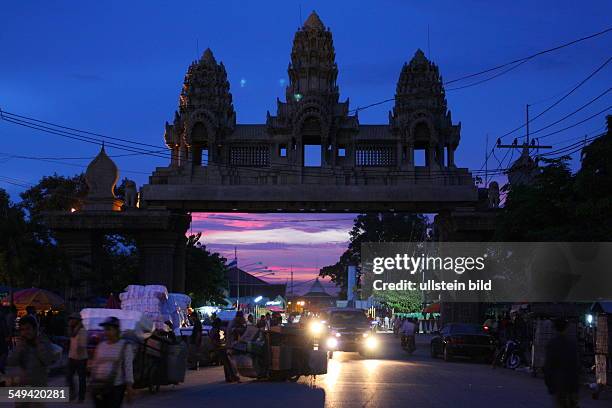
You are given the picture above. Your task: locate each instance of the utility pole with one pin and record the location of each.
(238, 280)
(527, 121)
(528, 144)
(291, 281)
(486, 183)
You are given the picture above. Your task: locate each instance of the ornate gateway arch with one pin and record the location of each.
(218, 165)
(313, 155)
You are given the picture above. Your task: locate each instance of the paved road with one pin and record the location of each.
(393, 380)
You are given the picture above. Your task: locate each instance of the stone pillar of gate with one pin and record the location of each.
(463, 225)
(178, 281)
(162, 257)
(79, 249)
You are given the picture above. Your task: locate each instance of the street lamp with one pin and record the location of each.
(251, 264)
(265, 274)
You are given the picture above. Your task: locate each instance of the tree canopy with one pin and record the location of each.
(561, 206)
(204, 273)
(380, 227)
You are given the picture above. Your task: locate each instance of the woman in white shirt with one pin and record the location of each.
(112, 367)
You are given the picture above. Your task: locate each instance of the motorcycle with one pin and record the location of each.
(408, 344)
(511, 356)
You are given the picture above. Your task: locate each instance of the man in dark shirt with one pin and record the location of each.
(562, 367)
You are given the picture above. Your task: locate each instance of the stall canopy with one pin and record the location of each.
(41, 299)
(433, 308)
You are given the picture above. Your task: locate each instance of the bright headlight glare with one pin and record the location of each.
(338, 335)
(332, 343)
(366, 334)
(316, 327)
(371, 342)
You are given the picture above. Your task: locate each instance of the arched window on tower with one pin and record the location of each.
(422, 137)
(311, 140)
(199, 145)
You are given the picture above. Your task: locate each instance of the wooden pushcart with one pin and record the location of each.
(281, 354)
(157, 363)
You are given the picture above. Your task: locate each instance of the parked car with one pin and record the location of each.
(463, 339)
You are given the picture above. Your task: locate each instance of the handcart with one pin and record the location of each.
(603, 359)
(157, 363)
(281, 354)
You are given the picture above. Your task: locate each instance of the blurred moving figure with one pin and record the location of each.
(562, 368)
(112, 368)
(77, 356)
(408, 331)
(33, 355)
(221, 352)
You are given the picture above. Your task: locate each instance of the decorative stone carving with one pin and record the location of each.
(205, 103)
(493, 194)
(101, 177)
(210, 152)
(131, 193)
(523, 170)
(420, 115)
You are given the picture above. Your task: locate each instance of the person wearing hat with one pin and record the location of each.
(77, 356)
(112, 367)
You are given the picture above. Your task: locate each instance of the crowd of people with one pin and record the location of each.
(30, 353)
(223, 339)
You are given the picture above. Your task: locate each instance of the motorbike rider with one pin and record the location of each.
(408, 331)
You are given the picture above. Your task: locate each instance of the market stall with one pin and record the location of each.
(41, 299)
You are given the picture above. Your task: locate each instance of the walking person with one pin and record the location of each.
(77, 357)
(112, 368)
(11, 316)
(4, 340)
(33, 355)
(195, 341)
(562, 368)
(261, 323)
(221, 352)
(407, 331)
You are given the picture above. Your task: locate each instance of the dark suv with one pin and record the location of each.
(349, 330)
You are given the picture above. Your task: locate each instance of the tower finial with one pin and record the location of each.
(314, 22)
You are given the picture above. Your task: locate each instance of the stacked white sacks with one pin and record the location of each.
(150, 300)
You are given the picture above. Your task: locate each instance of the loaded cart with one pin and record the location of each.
(603, 347)
(158, 362)
(283, 353)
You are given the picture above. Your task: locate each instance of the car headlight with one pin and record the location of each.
(366, 334)
(338, 334)
(332, 343)
(316, 328)
(371, 342)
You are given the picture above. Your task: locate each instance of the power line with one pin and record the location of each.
(51, 160)
(82, 131)
(577, 123)
(504, 65)
(558, 101)
(488, 79)
(572, 113)
(432, 174)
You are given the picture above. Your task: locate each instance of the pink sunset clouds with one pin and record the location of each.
(302, 242)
